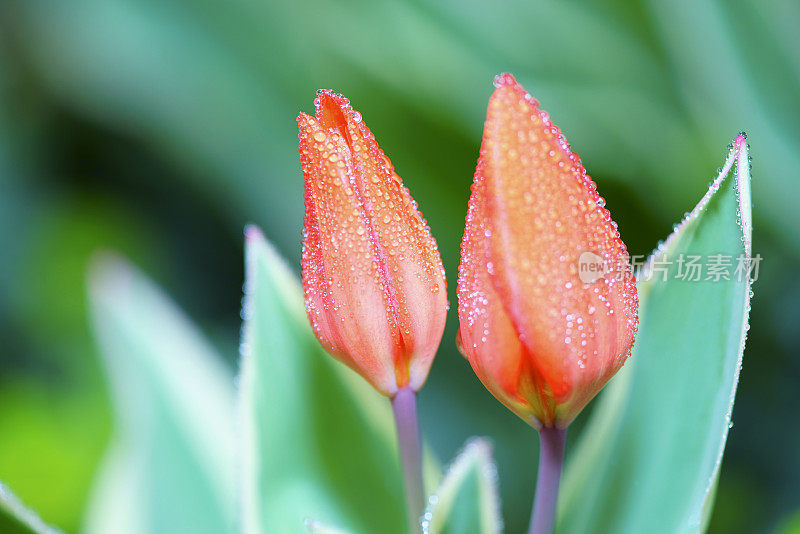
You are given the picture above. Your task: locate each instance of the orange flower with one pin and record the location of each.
(374, 284)
(547, 302)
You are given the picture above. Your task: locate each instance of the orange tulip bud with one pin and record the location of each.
(547, 301)
(374, 285)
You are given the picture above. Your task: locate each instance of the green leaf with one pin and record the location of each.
(467, 500)
(15, 518)
(318, 441)
(170, 467)
(651, 453)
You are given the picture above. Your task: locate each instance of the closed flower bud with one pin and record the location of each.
(547, 302)
(374, 285)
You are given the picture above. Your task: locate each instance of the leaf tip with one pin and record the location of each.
(108, 274)
(743, 178)
(253, 233)
(739, 140)
(476, 456)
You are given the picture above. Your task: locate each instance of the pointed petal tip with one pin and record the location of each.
(325, 97)
(331, 109)
(504, 78)
(506, 84)
(328, 100)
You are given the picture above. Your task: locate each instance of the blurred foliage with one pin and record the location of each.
(171, 467)
(15, 518)
(161, 128)
(790, 526)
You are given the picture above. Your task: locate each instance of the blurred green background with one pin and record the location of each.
(160, 127)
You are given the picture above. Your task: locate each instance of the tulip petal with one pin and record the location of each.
(487, 338)
(542, 213)
(362, 223)
(405, 248)
(345, 297)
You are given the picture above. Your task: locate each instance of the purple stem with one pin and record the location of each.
(551, 458)
(404, 405)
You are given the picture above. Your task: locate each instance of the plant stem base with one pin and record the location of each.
(551, 458)
(404, 405)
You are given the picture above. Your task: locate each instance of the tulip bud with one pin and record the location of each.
(373, 280)
(543, 331)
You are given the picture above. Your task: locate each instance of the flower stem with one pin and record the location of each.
(404, 405)
(551, 458)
